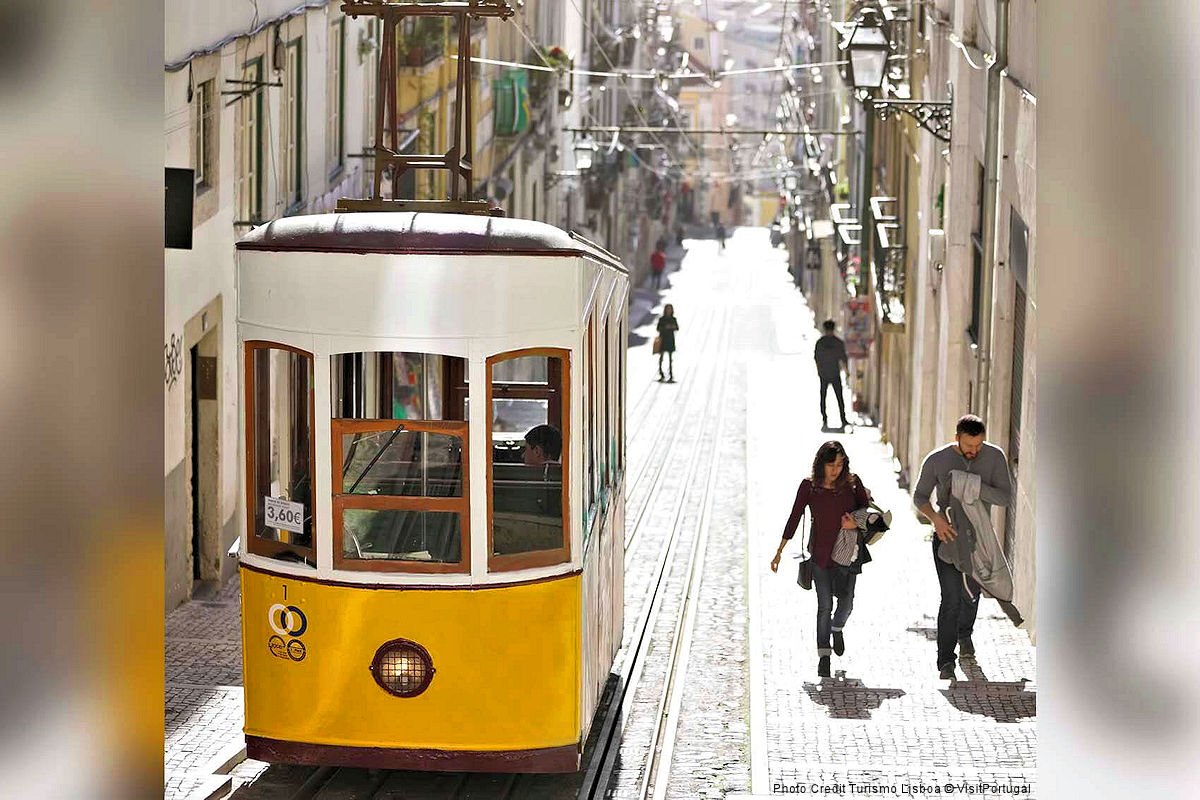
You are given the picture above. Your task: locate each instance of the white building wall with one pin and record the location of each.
(200, 283)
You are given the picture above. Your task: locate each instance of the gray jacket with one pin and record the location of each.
(977, 550)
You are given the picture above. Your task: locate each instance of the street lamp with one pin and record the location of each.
(868, 51)
(584, 151)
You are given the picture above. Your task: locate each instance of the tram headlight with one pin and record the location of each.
(402, 668)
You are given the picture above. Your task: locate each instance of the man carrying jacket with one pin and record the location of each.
(830, 355)
(968, 453)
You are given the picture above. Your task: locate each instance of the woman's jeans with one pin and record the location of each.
(670, 354)
(827, 619)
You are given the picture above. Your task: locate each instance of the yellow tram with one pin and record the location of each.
(433, 433)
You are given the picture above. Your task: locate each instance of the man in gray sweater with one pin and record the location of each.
(970, 453)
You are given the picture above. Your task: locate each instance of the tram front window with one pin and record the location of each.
(526, 412)
(401, 463)
(400, 498)
(279, 439)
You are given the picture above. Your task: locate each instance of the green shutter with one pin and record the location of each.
(511, 102)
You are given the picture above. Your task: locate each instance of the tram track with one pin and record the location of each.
(351, 783)
(695, 404)
(602, 762)
(661, 431)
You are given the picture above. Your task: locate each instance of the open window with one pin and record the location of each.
(528, 440)
(401, 495)
(279, 452)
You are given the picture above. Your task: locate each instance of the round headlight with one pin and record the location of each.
(402, 668)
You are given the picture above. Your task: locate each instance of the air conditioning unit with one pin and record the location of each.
(937, 257)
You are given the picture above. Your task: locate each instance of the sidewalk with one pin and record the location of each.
(885, 719)
(204, 708)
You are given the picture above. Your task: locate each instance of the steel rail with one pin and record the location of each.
(603, 760)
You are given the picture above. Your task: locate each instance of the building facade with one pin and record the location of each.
(939, 346)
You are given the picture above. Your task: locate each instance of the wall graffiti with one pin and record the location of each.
(173, 360)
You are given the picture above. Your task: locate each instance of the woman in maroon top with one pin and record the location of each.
(831, 494)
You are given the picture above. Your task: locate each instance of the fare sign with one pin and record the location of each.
(284, 514)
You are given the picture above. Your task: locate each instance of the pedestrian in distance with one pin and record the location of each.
(658, 263)
(830, 355)
(960, 593)
(679, 235)
(667, 325)
(721, 235)
(830, 494)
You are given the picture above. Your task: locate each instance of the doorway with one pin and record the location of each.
(203, 459)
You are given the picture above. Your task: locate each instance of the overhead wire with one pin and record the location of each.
(633, 101)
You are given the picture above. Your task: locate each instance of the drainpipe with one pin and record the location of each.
(991, 197)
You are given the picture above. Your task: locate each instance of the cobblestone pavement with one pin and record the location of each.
(203, 704)
(885, 720)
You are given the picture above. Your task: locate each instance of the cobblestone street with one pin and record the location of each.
(884, 719)
(753, 718)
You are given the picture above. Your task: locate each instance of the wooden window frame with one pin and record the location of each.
(342, 502)
(203, 134)
(539, 558)
(249, 136)
(255, 544)
(335, 150)
(293, 126)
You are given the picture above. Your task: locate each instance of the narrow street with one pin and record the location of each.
(719, 653)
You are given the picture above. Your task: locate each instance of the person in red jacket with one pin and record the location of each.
(831, 494)
(658, 263)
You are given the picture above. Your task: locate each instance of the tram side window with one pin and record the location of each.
(607, 441)
(279, 440)
(401, 501)
(528, 442)
(589, 414)
(621, 344)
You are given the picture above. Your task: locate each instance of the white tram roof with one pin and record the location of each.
(420, 275)
(405, 232)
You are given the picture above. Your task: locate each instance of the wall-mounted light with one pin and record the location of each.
(868, 51)
(585, 151)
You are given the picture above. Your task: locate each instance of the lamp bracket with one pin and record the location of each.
(933, 116)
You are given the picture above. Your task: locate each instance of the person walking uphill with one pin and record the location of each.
(658, 263)
(830, 355)
(667, 325)
(832, 493)
(973, 458)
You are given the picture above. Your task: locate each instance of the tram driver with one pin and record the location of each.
(543, 445)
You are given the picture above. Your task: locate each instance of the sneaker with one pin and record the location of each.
(839, 644)
(946, 672)
(823, 667)
(966, 648)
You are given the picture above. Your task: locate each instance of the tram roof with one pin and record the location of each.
(420, 232)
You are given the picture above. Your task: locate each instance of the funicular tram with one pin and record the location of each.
(434, 481)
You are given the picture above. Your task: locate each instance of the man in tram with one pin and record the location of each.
(543, 445)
